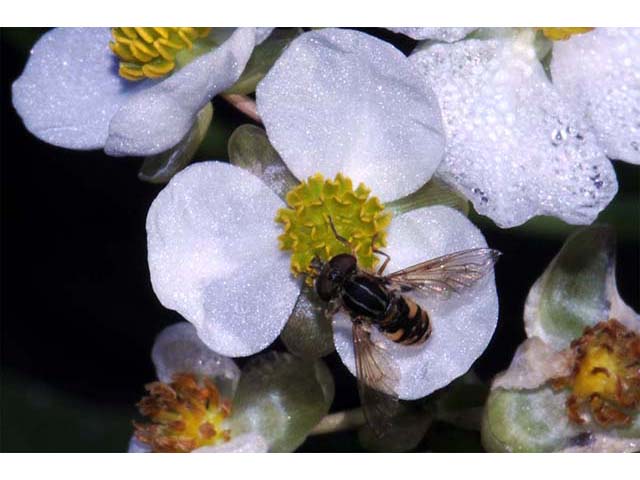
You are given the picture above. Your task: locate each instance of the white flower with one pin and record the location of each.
(271, 405)
(71, 95)
(214, 257)
(442, 34)
(520, 145)
(343, 101)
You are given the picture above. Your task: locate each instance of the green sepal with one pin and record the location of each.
(250, 149)
(282, 398)
(262, 59)
(308, 332)
(574, 292)
(162, 167)
(526, 421)
(410, 425)
(434, 192)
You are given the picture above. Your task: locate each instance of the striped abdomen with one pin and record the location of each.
(406, 322)
(365, 296)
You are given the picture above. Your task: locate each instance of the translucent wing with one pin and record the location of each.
(454, 272)
(376, 381)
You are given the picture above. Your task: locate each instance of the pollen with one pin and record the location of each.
(563, 33)
(357, 216)
(183, 415)
(605, 379)
(150, 52)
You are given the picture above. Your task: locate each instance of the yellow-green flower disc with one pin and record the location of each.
(150, 52)
(356, 215)
(563, 33)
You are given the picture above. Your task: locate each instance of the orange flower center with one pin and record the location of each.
(606, 375)
(184, 415)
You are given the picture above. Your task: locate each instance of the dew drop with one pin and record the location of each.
(558, 136)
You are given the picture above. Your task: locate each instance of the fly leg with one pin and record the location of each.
(380, 252)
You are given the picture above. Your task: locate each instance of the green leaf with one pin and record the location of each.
(282, 398)
(262, 59)
(308, 332)
(575, 290)
(162, 167)
(434, 192)
(250, 149)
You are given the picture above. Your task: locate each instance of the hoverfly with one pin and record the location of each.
(375, 300)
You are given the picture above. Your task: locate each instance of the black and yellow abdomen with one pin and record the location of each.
(406, 322)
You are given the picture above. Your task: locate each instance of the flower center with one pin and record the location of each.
(357, 216)
(606, 374)
(152, 52)
(184, 415)
(563, 33)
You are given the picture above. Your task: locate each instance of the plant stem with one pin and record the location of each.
(340, 421)
(244, 104)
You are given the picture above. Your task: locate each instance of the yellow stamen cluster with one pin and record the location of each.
(563, 33)
(184, 415)
(150, 52)
(606, 375)
(357, 216)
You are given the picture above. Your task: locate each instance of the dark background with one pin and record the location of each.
(78, 315)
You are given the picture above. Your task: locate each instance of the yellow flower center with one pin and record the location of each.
(357, 216)
(563, 33)
(184, 415)
(152, 52)
(606, 374)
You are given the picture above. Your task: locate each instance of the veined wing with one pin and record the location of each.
(449, 273)
(376, 381)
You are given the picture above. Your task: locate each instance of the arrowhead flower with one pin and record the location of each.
(131, 91)
(202, 402)
(574, 384)
(521, 144)
(215, 257)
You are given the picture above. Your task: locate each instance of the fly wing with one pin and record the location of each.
(376, 381)
(451, 273)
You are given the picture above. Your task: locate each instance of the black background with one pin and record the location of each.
(78, 315)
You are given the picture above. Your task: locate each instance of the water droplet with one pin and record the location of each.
(558, 136)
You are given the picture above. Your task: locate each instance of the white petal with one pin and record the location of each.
(70, 88)
(514, 147)
(136, 446)
(343, 101)
(159, 117)
(462, 325)
(214, 257)
(245, 443)
(178, 349)
(599, 72)
(442, 34)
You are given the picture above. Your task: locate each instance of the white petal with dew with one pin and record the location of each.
(70, 88)
(442, 34)
(462, 325)
(533, 364)
(178, 349)
(599, 73)
(343, 101)
(514, 146)
(214, 257)
(136, 446)
(157, 118)
(245, 443)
